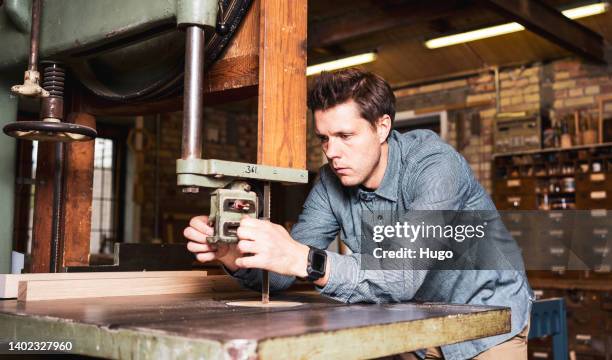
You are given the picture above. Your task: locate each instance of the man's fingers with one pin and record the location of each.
(253, 229)
(248, 262)
(196, 247)
(200, 223)
(205, 257)
(194, 235)
(246, 233)
(248, 221)
(247, 247)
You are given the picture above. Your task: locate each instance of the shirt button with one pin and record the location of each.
(380, 217)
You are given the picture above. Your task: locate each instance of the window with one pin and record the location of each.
(103, 224)
(409, 120)
(103, 218)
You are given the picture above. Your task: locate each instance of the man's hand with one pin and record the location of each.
(197, 232)
(272, 248)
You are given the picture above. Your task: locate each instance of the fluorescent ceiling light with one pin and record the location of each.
(341, 63)
(474, 35)
(574, 13)
(587, 10)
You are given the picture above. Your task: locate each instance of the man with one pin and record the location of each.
(372, 167)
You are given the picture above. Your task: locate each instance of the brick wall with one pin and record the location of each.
(227, 136)
(577, 85)
(556, 89)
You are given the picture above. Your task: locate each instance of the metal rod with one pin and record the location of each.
(34, 35)
(265, 276)
(193, 97)
(57, 208)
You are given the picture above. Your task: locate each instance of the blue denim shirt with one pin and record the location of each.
(423, 173)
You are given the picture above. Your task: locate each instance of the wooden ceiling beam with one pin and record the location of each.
(551, 24)
(334, 31)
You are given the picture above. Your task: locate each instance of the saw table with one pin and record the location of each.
(204, 326)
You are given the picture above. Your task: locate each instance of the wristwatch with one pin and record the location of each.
(317, 260)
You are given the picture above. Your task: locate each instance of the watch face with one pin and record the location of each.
(318, 262)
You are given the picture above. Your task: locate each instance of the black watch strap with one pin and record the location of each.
(317, 262)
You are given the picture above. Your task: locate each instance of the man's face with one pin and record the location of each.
(352, 146)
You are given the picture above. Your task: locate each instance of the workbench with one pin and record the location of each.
(203, 326)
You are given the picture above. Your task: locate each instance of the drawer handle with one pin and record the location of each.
(557, 250)
(558, 269)
(600, 232)
(599, 213)
(555, 232)
(586, 338)
(513, 183)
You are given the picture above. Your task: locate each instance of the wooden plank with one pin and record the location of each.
(43, 208)
(549, 23)
(282, 83)
(238, 66)
(35, 290)
(78, 193)
(9, 283)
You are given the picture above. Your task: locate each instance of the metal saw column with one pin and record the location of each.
(194, 15)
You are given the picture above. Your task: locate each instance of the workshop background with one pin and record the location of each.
(530, 110)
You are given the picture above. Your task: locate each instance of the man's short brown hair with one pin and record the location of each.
(371, 93)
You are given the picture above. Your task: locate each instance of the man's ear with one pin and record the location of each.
(383, 127)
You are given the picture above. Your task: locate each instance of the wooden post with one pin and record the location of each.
(22, 196)
(78, 192)
(282, 83)
(43, 208)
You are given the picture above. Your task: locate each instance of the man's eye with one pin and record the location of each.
(323, 138)
(345, 136)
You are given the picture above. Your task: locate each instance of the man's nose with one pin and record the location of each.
(332, 149)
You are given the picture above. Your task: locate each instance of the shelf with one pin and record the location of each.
(560, 175)
(549, 150)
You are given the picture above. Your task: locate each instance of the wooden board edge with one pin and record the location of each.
(387, 339)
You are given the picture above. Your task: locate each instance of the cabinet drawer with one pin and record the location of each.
(595, 199)
(518, 186)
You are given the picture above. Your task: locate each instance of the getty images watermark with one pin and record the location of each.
(411, 232)
(486, 240)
